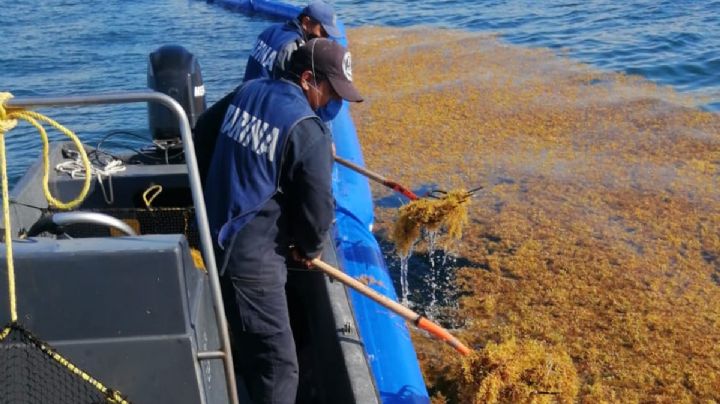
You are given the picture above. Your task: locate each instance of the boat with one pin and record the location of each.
(125, 285)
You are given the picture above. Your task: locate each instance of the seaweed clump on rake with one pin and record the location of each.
(448, 213)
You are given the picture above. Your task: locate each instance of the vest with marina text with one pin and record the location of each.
(262, 57)
(245, 168)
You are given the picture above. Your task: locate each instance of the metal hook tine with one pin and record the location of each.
(472, 191)
(439, 193)
(469, 194)
(436, 193)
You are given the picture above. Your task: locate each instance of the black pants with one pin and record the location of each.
(263, 344)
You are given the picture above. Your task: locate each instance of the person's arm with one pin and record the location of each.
(282, 60)
(310, 186)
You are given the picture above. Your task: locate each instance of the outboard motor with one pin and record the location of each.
(174, 71)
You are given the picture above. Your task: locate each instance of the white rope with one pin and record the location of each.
(77, 171)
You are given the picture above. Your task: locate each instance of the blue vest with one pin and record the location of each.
(269, 43)
(245, 169)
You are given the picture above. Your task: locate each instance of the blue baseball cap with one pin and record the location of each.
(325, 15)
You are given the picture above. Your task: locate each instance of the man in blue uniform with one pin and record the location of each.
(274, 46)
(269, 58)
(270, 190)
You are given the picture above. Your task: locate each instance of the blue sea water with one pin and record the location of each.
(59, 47)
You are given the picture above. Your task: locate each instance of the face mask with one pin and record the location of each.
(329, 111)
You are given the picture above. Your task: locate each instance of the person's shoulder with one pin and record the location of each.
(308, 137)
(311, 129)
(249, 84)
(313, 124)
(293, 24)
(273, 28)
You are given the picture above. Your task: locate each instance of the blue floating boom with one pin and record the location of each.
(386, 337)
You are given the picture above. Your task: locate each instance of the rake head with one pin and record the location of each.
(439, 193)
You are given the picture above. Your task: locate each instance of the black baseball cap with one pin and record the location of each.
(327, 58)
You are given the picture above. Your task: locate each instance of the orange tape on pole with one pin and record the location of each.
(442, 334)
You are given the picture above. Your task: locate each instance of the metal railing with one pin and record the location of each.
(195, 188)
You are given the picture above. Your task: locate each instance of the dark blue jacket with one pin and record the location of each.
(258, 206)
(272, 50)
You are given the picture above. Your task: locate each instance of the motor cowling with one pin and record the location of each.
(174, 71)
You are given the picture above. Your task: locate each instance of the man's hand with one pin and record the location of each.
(301, 258)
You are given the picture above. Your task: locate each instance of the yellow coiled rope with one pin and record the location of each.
(8, 120)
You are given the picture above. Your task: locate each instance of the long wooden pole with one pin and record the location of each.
(409, 315)
(378, 178)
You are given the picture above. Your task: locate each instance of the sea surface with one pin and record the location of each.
(62, 47)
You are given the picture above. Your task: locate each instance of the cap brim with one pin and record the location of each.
(345, 89)
(332, 30)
